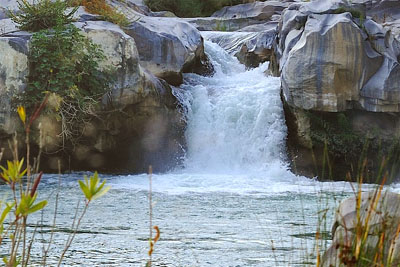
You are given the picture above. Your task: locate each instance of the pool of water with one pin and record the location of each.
(273, 224)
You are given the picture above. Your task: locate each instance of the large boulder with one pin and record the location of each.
(329, 64)
(374, 226)
(331, 58)
(138, 124)
(167, 47)
(13, 72)
(340, 83)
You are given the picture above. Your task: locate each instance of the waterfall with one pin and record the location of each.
(235, 134)
(235, 120)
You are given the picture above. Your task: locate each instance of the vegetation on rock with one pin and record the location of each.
(191, 8)
(107, 12)
(41, 15)
(65, 63)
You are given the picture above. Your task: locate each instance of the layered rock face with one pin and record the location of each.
(257, 23)
(336, 63)
(378, 218)
(237, 17)
(139, 124)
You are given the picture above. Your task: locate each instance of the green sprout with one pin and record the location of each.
(91, 188)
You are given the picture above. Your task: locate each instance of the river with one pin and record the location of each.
(234, 201)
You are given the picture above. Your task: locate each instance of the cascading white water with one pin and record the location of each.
(235, 134)
(235, 119)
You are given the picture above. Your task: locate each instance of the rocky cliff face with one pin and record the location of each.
(139, 124)
(339, 61)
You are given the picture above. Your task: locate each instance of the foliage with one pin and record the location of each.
(221, 26)
(41, 15)
(354, 12)
(91, 188)
(107, 12)
(66, 64)
(190, 8)
(24, 202)
(336, 134)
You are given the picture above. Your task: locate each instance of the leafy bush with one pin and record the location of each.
(191, 8)
(43, 14)
(65, 63)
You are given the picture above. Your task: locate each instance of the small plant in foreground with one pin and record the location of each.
(23, 184)
(152, 241)
(366, 227)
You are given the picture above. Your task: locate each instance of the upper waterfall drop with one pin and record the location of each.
(235, 120)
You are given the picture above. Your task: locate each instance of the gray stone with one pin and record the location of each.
(384, 10)
(270, 25)
(235, 18)
(122, 55)
(380, 214)
(167, 46)
(257, 11)
(13, 72)
(7, 26)
(251, 48)
(329, 65)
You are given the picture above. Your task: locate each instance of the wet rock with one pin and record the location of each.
(251, 48)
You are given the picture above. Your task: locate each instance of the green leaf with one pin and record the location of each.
(91, 188)
(84, 189)
(37, 207)
(5, 212)
(103, 192)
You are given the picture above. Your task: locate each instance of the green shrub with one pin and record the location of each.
(190, 8)
(357, 14)
(65, 63)
(43, 14)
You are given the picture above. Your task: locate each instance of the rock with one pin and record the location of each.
(381, 221)
(167, 46)
(260, 11)
(13, 72)
(260, 27)
(326, 69)
(82, 15)
(251, 48)
(233, 18)
(132, 9)
(121, 53)
(3, 13)
(7, 26)
(384, 10)
(122, 131)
